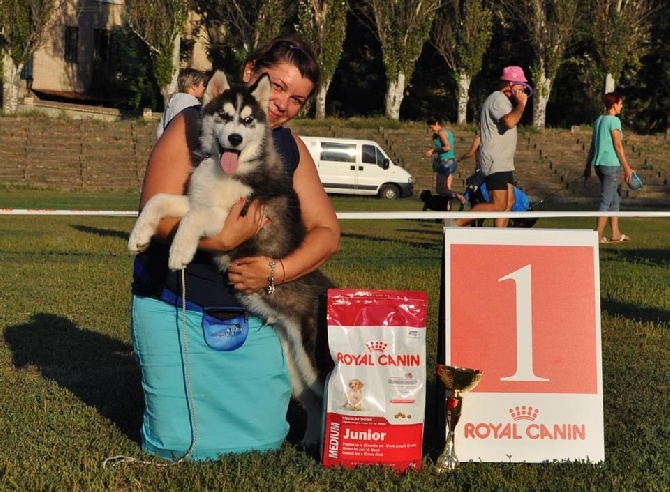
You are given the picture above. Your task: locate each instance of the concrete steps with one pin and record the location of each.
(93, 155)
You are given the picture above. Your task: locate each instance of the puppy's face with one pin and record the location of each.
(356, 385)
(234, 121)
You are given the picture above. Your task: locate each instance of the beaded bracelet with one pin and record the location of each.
(271, 278)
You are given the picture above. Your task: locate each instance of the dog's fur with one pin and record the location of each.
(438, 203)
(241, 161)
(354, 395)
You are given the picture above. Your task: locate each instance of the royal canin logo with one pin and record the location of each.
(531, 430)
(376, 356)
(523, 413)
(376, 346)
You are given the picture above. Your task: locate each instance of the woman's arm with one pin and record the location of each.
(445, 142)
(322, 240)
(473, 148)
(169, 170)
(621, 154)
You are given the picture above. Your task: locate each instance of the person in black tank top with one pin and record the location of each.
(239, 398)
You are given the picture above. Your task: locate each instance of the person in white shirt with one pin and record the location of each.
(191, 85)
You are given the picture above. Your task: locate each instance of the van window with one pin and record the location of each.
(372, 155)
(339, 152)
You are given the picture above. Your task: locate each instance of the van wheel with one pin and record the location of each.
(389, 192)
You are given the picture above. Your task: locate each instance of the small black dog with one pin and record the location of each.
(437, 203)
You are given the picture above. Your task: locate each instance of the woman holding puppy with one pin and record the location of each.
(202, 402)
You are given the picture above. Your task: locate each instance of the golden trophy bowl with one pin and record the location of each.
(458, 380)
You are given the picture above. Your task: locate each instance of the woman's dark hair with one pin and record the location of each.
(287, 49)
(433, 121)
(611, 98)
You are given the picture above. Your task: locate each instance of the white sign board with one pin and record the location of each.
(523, 306)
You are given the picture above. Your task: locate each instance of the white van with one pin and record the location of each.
(358, 167)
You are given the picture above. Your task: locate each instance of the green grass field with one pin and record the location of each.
(69, 385)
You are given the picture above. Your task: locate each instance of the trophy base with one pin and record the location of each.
(446, 464)
(447, 461)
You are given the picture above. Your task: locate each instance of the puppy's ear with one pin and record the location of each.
(217, 84)
(261, 91)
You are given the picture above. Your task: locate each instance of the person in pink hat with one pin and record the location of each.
(500, 115)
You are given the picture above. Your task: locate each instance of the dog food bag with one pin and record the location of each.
(375, 395)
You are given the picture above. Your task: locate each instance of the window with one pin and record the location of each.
(100, 44)
(71, 44)
(339, 152)
(372, 155)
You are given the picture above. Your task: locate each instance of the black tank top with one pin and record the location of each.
(205, 285)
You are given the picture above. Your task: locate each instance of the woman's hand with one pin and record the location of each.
(430, 152)
(238, 229)
(628, 174)
(251, 274)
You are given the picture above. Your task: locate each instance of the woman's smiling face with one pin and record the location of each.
(290, 90)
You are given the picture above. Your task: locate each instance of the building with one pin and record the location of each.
(77, 38)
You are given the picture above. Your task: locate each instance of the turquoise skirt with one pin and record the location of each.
(239, 397)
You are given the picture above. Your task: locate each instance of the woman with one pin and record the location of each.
(608, 157)
(200, 402)
(444, 159)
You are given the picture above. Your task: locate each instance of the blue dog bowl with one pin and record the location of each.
(635, 182)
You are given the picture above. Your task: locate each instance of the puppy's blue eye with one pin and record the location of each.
(225, 117)
(248, 120)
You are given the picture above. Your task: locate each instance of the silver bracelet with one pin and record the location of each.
(271, 278)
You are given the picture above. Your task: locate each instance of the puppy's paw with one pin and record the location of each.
(180, 255)
(139, 239)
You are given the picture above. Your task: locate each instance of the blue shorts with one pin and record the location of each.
(447, 166)
(240, 397)
(610, 188)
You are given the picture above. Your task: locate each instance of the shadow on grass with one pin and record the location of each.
(101, 371)
(660, 317)
(653, 257)
(434, 244)
(102, 232)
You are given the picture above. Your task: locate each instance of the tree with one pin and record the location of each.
(159, 26)
(648, 93)
(461, 34)
(402, 27)
(23, 24)
(621, 31)
(242, 25)
(323, 23)
(549, 25)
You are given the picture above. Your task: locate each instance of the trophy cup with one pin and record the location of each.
(458, 380)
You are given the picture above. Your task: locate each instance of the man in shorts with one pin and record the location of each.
(500, 115)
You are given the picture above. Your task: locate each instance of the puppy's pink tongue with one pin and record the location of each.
(229, 161)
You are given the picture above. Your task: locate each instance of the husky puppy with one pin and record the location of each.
(241, 161)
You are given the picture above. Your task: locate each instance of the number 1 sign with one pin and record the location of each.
(523, 306)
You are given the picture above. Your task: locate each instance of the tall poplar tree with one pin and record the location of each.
(159, 25)
(241, 26)
(323, 23)
(621, 30)
(23, 26)
(402, 28)
(462, 32)
(550, 25)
